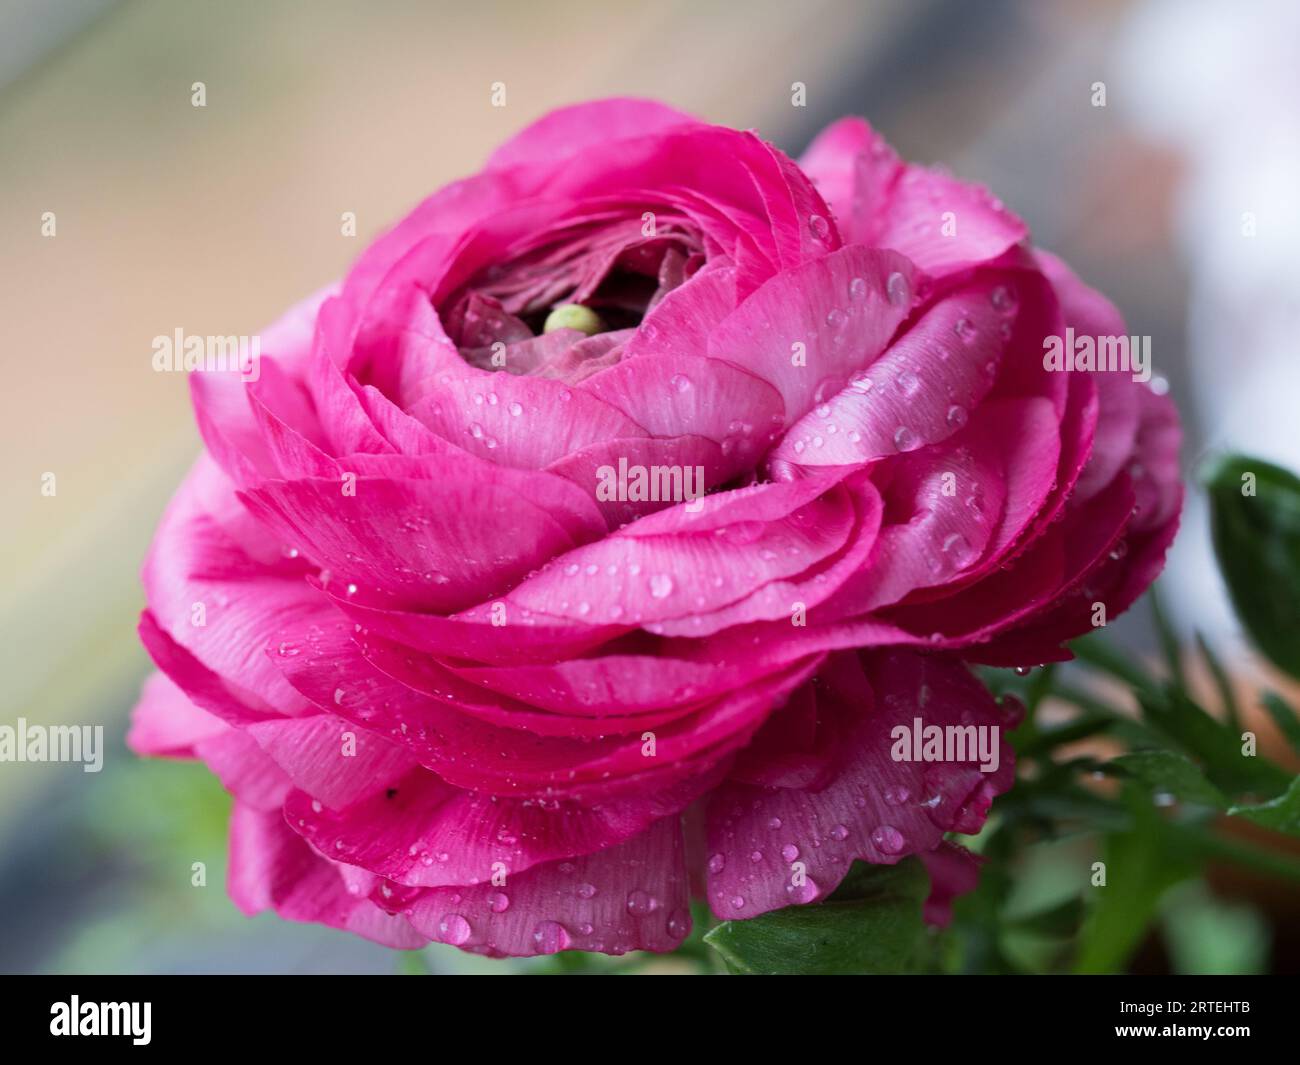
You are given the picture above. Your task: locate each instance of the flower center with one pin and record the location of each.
(564, 304)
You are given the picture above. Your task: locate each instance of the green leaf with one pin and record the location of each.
(1281, 814)
(1206, 935)
(871, 924)
(1165, 771)
(1168, 642)
(1231, 712)
(1081, 728)
(1209, 741)
(1061, 920)
(1141, 865)
(1284, 716)
(1257, 541)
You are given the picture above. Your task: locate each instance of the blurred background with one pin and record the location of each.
(214, 219)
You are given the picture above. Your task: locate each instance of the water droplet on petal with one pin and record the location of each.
(1003, 299)
(640, 904)
(661, 586)
(897, 289)
(803, 893)
(550, 937)
(454, 929)
(957, 548)
(888, 839)
(905, 439)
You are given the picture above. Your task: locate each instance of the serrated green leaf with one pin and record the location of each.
(1165, 771)
(1257, 541)
(1281, 814)
(1174, 714)
(872, 924)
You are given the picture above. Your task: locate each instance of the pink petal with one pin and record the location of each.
(165, 722)
(628, 897)
(882, 202)
(836, 308)
(220, 585)
(875, 809)
(528, 422)
(919, 392)
(954, 871)
(271, 868)
(414, 543)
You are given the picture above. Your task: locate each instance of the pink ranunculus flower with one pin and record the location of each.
(461, 693)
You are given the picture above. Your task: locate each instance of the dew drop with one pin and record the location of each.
(661, 586)
(453, 929)
(641, 904)
(1003, 299)
(957, 548)
(550, 937)
(897, 289)
(803, 893)
(888, 839)
(905, 439)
